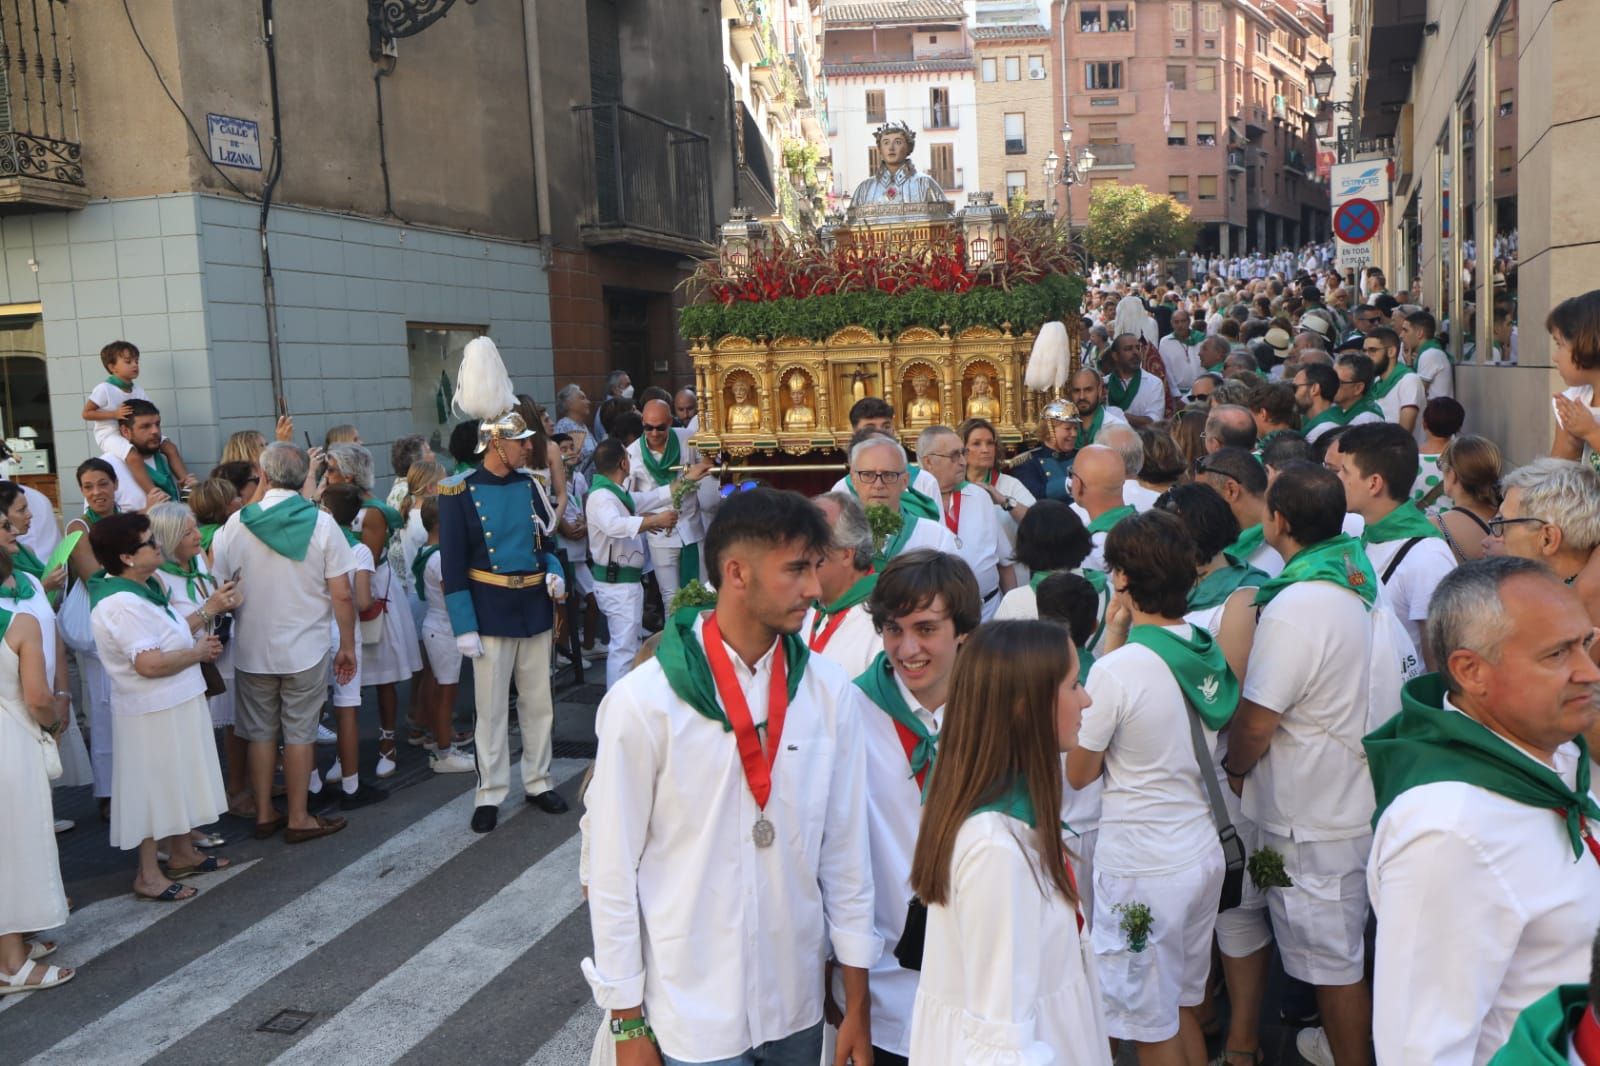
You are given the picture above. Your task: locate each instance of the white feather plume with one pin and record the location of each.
(1050, 359)
(483, 388)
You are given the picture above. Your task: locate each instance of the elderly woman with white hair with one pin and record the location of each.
(395, 655)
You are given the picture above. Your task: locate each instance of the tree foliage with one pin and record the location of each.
(1129, 224)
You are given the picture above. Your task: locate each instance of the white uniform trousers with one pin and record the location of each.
(623, 605)
(665, 559)
(528, 660)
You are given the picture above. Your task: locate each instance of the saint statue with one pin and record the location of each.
(743, 416)
(897, 180)
(923, 410)
(858, 382)
(799, 415)
(982, 403)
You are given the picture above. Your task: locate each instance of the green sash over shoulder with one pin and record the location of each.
(419, 565)
(285, 527)
(1249, 542)
(1199, 667)
(1339, 559)
(661, 469)
(162, 477)
(683, 660)
(1119, 394)
(601, 483)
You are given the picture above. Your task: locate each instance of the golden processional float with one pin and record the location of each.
(904, 298)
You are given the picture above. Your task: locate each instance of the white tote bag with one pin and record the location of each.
(72, 620)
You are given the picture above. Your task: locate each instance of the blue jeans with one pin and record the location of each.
(798, 1049)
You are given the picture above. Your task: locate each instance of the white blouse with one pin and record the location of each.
(1007, 980)
(126, 625)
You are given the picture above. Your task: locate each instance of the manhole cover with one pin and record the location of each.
(286, 1021)
(574, 749)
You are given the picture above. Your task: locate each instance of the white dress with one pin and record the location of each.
(183, 605)
(31, 895)
(396, 655)
(75, 767)
(1007, 980)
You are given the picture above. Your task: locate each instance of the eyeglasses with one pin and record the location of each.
(1497, 524)
(151, 543)
(650, 427)
(956, 456)
(880, 477)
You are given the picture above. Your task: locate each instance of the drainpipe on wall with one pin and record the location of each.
(269, 291)
(536, 127)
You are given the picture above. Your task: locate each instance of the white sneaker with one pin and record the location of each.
(326, 735)
(64, 824)
(452, 761)
(334, 775)
(1313, 1047)
(600, 650)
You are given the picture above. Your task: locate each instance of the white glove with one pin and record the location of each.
(556, 584)
(470, 645)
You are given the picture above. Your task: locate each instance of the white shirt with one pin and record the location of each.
(924, 483)
(1149, 402)
(1266, 559)
(281, 627)
(130, 497)
(927, 533)
(38, 607)
(403, 550)
(1410, 590)
(126, 625)
(362, 563)
(613, 533)
(722, 941)
(1309, 663)
(1437, 372)
(1482, 909)
(1011, 489)
(692, 522)
(894, 813)
(1365, 418)
(577, 494)
(1583, 394)
(1140, 497)
(45, 531)
(979, 541)
(853, 645)
(108, 397)
(1006, 976)
(1140, 721)
(1409, 391)
(437, 617)
(1182, 360)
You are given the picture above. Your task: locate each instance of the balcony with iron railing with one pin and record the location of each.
(648, 181)
(1112, 156)
(41, 163)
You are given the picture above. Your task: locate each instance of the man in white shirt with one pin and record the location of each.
(1099, 478)
(1122, 439)
(291, 560)
(658, 459)
(1138, 395)
(1137, 733)
(874, 413)
(142, 430)
(686, 410)
(969, 516)
(878, 477)
(838, 626)
(617, 520)
(925, 604)
(1427, 355)
(1180, 351)
(720, 875)
(1306, 695)
(1483, 800)
(1397, 388)
(1240, 479)
(1377, 464)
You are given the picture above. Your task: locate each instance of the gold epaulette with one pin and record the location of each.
(448, 489)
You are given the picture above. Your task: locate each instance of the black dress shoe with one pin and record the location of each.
(364, 795)
(485, 818)
(550, 802)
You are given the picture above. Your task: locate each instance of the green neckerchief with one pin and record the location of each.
(1110, 518)
(419, 565)
(208, 533)
(601, 483)
(1249, 542)
(912, 503)
(1334, 415)
(1013, 800)
(1261, 444)
(1434, 344)
(151, 591)
(20, 590)
(1402, 523)
(1543, 1032)
(1195, 336)
(1199, 668)
(285, 527)
(988, 477)
(391, 517)
(125, 386)
(161, 477)
(1097, 578)
(683, 660)
(858, 592)
(1385, 385)
(1426, 743)
(1121, 395)
(90, 518)
(1224, 581)
(27, 562)
(351, 537)
(661, 469)
(1085, 661)
(194, 578)
(1092, 430)
(1339, 559)
(1344, 418)
(879, 685)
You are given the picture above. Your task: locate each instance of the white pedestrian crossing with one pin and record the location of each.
(573, 1043)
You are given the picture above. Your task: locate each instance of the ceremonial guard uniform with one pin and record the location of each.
(499, 573)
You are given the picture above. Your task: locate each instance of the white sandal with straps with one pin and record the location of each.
(386, 763)
(18, 982)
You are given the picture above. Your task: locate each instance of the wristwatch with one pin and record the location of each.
(630, 1029)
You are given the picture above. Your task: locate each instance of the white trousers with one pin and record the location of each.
(623, 606)
(665, 558)
(97, 690)
(528, 660)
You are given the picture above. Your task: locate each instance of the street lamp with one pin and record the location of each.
(1322, 79)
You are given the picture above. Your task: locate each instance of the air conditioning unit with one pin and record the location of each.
(1036, 74)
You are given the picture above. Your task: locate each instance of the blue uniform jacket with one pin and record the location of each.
(491, 523)
(1047, 474)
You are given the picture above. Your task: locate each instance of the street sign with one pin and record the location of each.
(235, 142)
(1368, 180)
(1356, 221)
(1352, 256)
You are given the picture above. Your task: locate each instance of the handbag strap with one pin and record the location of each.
(1399, 557)
(1208, 776)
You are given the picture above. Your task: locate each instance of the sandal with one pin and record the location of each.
(173, 893)
(10, 984)
(211, 864)
(206, 840)
(386, 759)
(41, 949)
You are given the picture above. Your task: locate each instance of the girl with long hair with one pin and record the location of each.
(1006, 971)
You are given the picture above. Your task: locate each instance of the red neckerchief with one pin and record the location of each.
(952, 514)
(819, 641)
(757, 765)
(1588, 837)
(1586, 1038)
(908, 741)
(1077, 911)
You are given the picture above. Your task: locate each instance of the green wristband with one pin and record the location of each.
(630, 1029)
